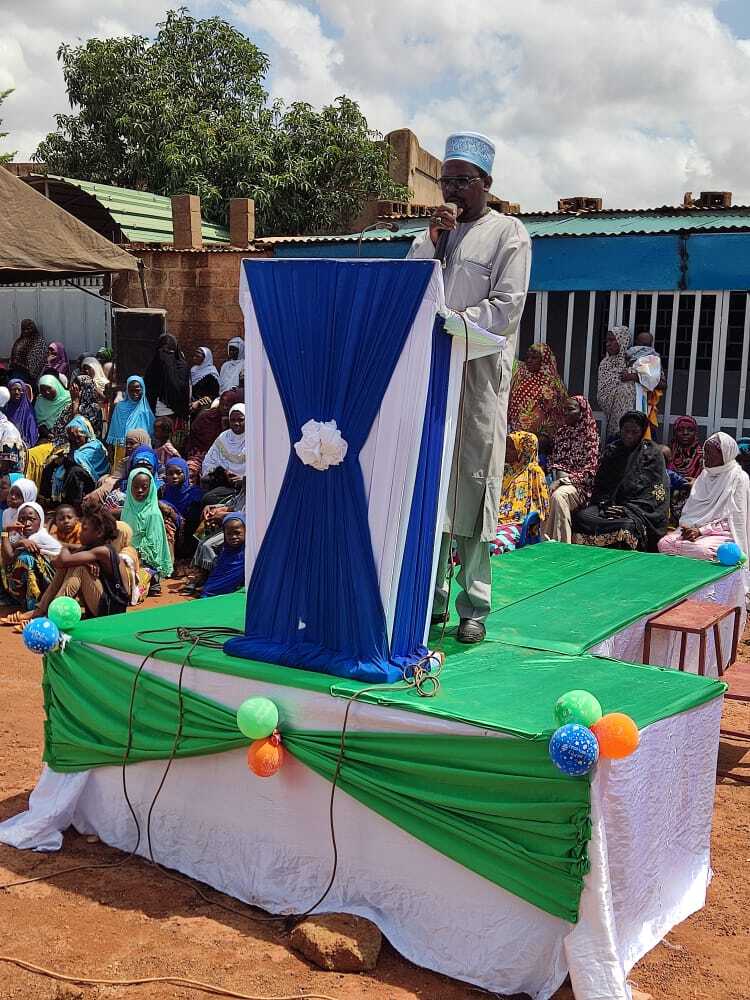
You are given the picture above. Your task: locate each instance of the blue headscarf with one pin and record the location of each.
(143, 453)
(91, 456)
(228, 574)
(181, 497)
(129, 414)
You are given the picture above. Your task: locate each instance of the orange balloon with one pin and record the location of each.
(265, 757)
(616, 734)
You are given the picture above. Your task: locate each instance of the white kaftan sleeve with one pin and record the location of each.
(509, 282)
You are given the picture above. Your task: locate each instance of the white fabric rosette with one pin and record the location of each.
(321, 445)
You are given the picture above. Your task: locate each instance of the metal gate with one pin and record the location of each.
(702, 336)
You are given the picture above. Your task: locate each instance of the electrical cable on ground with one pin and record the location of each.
(193, 984)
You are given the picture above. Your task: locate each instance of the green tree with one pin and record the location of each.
(5, 157)
(188, 112)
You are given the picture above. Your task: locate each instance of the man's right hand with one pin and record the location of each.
(443, 217)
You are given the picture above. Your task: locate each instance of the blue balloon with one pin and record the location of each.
(729, 553)
(573, 749)
(40, 635)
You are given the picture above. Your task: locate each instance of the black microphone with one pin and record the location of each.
(441, 247)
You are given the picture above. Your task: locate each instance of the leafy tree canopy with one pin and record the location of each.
(5, 157)
(188, 112)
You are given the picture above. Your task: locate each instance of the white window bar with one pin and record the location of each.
(670, 362)
(631, 315)
(718, 357)
(620, 303)
(569, 334)
(612, 310)
(694, 350)
(652, 317)
(743, 369)
(589, 343)
(537, 316)
(543, 326)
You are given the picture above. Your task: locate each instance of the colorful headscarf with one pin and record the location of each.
(143, 453)
(100, 379)
(88, 402)
(91, 456)
(229, 377)
(49, 411)
(524, 487)
(687, 459)
(614, 396)
(576, 448)
(537, 400)
(21, 413)
(129, 414)
(58, 362)
(182, 497)
(149, 533)
(228, 573)
(205, 368)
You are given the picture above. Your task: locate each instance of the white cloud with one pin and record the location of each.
(635, 100)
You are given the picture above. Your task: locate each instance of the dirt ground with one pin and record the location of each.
(133, 922)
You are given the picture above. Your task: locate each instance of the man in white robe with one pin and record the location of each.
(487, 259)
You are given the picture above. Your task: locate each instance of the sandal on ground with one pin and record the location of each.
(17, 618)
(470, 631)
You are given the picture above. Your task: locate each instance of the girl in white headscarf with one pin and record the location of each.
(229, 377)
(227, 453)
(204, 379)
(718, 508)
(26, 555)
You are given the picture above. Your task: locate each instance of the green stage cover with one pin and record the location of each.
(497, 806)
(566, 598)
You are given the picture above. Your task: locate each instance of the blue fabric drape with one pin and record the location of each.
(333, 332)
(416, 584)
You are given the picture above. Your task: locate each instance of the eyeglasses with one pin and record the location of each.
(459, 183)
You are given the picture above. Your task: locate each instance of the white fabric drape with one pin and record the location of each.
(649, 849)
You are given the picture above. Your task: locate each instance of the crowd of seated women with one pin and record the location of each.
(109, 487)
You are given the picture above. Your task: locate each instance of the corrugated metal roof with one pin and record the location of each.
(635, 223)
(541, 225)
(143, 217)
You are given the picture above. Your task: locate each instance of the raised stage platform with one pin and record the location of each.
(456, 835)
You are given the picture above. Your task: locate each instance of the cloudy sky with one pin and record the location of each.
(634, 100)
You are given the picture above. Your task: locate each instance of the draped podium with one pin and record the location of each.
(352, 382)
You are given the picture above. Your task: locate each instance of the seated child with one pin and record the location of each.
(21, 491)
(228, 574)
(26, 555)
(645, 364)
(142, 512)
(66, 527)
(94, 574)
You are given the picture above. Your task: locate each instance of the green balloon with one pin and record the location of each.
(577, 706)
(65, 612)
(257, 718)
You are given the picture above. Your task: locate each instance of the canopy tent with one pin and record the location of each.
(39, 241)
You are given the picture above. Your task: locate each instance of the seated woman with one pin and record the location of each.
(53, 407)
(93, 574)
(133, 440)
(718, 508)
(39, 455)
(228, 574)
(686, 461)
(573, 463)
(26, 554)
(74, 472)
(224, 465)
(229, 376)
(163, 445)
(142, 512)
(524, 489)
(87, 401)
(187, 501)
(204, 380)
(206, 428)
(20, 411)
(142, 457)
(131, 413)
(630, 500)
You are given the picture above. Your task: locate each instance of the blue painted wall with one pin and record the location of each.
(600, 263)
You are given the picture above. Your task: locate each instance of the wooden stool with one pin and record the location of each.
(695, 618)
